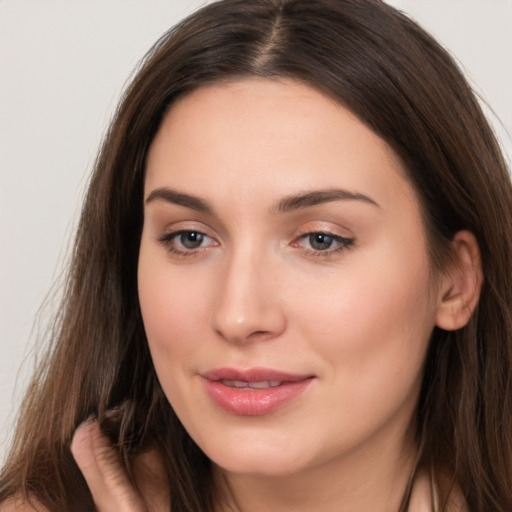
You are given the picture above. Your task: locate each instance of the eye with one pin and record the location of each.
(190, 239)
(320, 241)
(185, 242)
(322, 244)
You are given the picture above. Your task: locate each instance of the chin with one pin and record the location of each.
(258, 459)
(269, 467)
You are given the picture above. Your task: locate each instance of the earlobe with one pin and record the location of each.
(461, 284)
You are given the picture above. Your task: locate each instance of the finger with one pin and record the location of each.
(152, 483)
(99, 463)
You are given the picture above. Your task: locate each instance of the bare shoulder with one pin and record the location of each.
(421, 495)
(425, 496)
(21, 505)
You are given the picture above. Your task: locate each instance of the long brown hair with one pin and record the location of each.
(407, 89)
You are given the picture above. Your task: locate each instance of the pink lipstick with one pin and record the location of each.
(253, 392)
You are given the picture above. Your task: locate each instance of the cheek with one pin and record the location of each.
(373, 328)
(173, 309)
(372, 312)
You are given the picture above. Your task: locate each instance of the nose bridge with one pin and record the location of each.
(246, 306)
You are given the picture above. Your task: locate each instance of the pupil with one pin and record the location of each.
(191, 239)
(320, 242)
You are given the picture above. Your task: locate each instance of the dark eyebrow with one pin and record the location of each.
(172, 196)
(289, 203)
(315, 197)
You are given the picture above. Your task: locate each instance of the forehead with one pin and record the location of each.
(269, 138)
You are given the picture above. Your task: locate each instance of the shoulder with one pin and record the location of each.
(421, 495)
(21, 505)
(425, 496)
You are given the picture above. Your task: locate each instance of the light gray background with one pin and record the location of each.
(63, 64)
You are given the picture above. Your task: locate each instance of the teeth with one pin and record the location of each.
(252, 385)
(265, 384)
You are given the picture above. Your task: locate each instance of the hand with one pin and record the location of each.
(110, 485)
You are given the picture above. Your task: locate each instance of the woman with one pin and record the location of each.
(291, 282)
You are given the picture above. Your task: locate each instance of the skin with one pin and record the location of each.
(255, 292)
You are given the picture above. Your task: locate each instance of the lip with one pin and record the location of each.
(247, 401)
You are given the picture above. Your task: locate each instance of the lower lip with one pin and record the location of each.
(254, 402)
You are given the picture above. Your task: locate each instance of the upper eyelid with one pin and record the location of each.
(342, 243)
(184, 226)
(340, 231)
(176, 232)
(329, 232)
(168, 231)
(339, 238)
(169, 241)
(175, 228)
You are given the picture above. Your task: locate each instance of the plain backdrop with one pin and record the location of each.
(63, 64)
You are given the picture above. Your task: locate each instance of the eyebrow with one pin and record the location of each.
(287, 204)
(172, 196)
(316, 197)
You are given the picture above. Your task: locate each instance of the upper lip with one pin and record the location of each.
(254, 375)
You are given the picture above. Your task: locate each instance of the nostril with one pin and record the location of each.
(260, 335)
(243, 310)
(242, 335)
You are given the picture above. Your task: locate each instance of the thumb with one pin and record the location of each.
(107, 479)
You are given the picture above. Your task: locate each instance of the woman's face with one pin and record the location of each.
(284, 280)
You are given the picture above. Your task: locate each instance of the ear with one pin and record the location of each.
(460, 285)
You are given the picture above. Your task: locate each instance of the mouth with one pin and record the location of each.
(254, 392)
(240, 384)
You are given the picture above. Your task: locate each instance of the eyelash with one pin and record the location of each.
(343, 244)
(169, 241)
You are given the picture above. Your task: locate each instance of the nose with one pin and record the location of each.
(247, 306)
